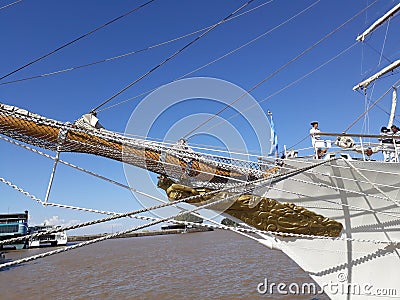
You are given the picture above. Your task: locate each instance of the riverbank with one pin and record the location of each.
(81, 238)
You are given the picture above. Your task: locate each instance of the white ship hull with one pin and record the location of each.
(361, 195)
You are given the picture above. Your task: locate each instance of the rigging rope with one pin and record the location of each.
(172, 56)
(215, 60)
(278, 70)
(236, 190)
(170, 218)
(208, 203)
(265, 99)
(251, 41)
(77, 39)
(11, 4)
(223, 227)
(380, 53)
(285, 88)
(247, 230)
(129, 53)
(128, 214)
(369, 108)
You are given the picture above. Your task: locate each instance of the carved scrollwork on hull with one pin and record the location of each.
(260, 212)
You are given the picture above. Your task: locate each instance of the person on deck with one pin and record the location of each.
(314, 133)
(386, 143)
(395, 131)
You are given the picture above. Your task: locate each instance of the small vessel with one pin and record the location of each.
(11, 226)
(48, 239)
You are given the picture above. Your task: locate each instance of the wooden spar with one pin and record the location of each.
(378, 22)
(366, 82)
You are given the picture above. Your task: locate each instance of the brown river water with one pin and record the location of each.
(205, 265)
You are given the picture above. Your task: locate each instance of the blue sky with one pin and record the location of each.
(30, 29)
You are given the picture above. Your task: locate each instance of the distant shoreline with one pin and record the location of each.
(88, 237)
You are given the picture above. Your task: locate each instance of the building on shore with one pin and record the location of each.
(13, 225)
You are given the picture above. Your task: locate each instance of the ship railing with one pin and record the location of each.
(365, 147)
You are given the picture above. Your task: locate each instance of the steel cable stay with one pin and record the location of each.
(159, 220)
(128, 53)
(77, 39)
(141, 217)
(368, 101)
(195, 146)
(110, 218)
(265, 99)
(380, 53)
(10, 4)
(273, 74)
(251, 41)
(172, 56)
(301, 78)
(240, 230)
(216, 59)
(285, 88)
(370, 107)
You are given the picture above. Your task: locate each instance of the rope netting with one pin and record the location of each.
(173, 160)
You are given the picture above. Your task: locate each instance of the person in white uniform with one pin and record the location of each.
(314, 132)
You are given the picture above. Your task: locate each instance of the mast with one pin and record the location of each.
(393, 110)
(378, 22)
